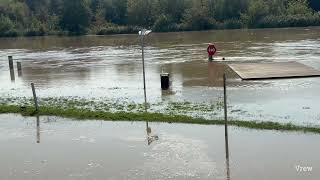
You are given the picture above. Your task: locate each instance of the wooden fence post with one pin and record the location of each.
(19, 69)
(34, 97)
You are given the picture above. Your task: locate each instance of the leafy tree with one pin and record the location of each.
(230, 9)
(140, 12)
(5, 24)
(56, 7)
(299, 7)
(257, 9)
(163, 24)
(40, 17)
(197, 17)
(116, 11)
(174, 9)
(76, 16)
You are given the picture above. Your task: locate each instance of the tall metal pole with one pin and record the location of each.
(144, 74)
(225, 115)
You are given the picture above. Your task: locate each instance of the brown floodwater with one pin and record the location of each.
(66, 149)
(110, 67)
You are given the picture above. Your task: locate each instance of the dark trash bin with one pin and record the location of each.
(165, 81)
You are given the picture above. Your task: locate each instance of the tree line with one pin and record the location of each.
(47, 17)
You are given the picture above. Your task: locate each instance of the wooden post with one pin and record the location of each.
(225, 115)
(12, 76)
(34, 97)
(19, 69)
(10, 62)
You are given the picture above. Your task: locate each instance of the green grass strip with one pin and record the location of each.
(83, 114)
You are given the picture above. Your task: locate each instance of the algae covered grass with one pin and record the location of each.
(87, 114)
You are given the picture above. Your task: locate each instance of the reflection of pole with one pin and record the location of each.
(148, 129)
(144, 74)
(228, 169)
(225, 115)
(38, 129)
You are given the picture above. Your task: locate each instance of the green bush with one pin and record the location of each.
(197, 20)
(75, 17)
(115, 29)
(7, 27)
(162, 24)
(231, 24)
(288, 21)
(36, 28)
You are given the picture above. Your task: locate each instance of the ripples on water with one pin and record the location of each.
(67, 149)
(110, 66)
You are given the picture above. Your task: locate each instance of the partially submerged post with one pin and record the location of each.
(10, 59)
(12, 76)
(19, 69)
(34, 97)
(225, 115)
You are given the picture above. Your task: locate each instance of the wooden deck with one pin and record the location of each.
(255, 71)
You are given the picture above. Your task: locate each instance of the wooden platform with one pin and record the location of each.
(255, 71)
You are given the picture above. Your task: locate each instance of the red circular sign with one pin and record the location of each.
(211, 50)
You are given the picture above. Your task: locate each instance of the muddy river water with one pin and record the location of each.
(80, 150)
(110, 67)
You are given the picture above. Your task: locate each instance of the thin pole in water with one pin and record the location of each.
(225, 115)
(34, 97)
(144, 74)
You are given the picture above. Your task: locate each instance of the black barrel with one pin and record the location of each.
(165, 81)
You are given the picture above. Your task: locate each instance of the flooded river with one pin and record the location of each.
(65, 149)
(110, 67)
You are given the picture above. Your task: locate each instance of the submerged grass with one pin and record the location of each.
(80, 114)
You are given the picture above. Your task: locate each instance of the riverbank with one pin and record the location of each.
(117, 30)
(89, 113)
(114, 17)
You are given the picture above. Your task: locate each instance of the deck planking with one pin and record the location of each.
(256, 71)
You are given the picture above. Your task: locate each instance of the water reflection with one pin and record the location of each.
(110, 67)
(19, 72)
(12, 76)
(228, 169)
(215, 72)
(150, 137)
(227, 156)
(38, 129)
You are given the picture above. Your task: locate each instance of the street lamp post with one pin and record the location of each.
(144, 33)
